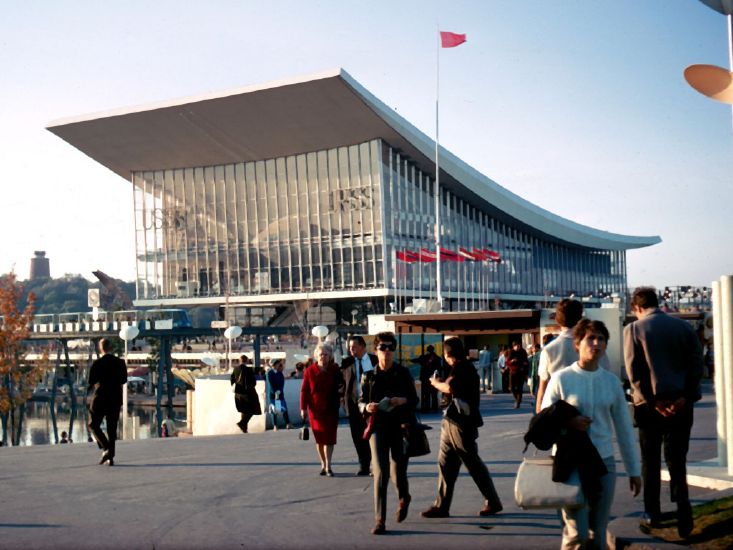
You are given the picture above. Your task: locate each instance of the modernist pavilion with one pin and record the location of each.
(310, 192)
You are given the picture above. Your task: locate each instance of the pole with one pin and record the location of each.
(124, 401)
(726, 294)
(438, 281)
(719, 376)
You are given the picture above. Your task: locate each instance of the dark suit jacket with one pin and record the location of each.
(348, 373)
(245, 389)
(663, 358)
(106, 377)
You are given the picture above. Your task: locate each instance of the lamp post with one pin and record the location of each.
(320, 332)
(715, 82)
(127, 334)
(230, 334)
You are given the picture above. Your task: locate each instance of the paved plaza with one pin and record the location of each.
(264, 491)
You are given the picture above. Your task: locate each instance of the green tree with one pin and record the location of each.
(16, 380)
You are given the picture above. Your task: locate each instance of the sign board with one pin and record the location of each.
(93, 297)
(219, 324)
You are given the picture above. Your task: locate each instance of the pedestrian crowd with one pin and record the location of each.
(663, 364)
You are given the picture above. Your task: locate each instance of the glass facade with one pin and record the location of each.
(334, 221)
(304, 223)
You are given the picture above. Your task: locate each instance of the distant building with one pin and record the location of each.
(39, 265)
(313, 191)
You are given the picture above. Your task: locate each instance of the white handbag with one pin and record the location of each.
(534, 488)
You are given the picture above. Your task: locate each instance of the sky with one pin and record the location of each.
(578, 106)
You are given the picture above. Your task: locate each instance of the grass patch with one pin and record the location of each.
(713, 526)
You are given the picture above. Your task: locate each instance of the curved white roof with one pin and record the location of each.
(301, 115)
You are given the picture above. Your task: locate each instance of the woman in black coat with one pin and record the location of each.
(389, 398)
(245, 392)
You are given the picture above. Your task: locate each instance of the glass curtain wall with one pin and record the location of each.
(300, 223)
(530, 268)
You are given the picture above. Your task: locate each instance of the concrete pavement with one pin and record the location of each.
(263, 490)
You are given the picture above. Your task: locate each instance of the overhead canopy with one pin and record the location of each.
(296, 116)
(480, 322)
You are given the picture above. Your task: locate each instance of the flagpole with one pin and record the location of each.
(438, 278)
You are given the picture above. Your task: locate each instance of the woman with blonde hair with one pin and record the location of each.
(319, 398)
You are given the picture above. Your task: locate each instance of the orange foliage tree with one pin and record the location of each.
(16, 380)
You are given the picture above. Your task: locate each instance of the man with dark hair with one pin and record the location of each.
(561, 351)
(353, 369)
(429, 363)
(518, 364)
(106, 377)
(664, 364)
(458, 434)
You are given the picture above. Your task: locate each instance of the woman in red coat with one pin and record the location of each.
(319, 396)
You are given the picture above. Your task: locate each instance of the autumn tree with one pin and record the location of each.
(16, 379)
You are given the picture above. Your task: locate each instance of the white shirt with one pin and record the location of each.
(366, 366)
(561, 353)
(598, 395)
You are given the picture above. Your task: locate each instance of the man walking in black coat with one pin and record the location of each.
(106, 377)
(352, 371)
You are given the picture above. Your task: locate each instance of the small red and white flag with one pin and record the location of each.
(451, 39)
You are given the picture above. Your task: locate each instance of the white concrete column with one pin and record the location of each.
(726, 303)
(719, 377)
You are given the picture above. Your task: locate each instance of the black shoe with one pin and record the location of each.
(242, 426)
(434, 512)
(402, 509)
(489, 510)
(379, 528)
(329, 472)
(684, 520)
(110, 462)
(105, 457)
(363, 472)
(650, 521)
(323, 472)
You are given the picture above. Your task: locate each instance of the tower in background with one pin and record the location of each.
(39, 265)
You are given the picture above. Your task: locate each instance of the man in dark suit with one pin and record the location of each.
(106, 377)
(353, 369)
(664, 364)
(245, 392)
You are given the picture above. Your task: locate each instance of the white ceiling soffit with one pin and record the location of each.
(294, 116)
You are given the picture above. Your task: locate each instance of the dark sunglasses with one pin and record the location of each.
(386, 347)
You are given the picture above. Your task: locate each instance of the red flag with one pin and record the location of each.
(407, 256)
(469, 256)
(426, 255)
(493, 255)
(480, 255)
(450, 256)
(451, 39)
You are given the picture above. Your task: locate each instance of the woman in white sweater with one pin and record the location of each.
(599, 397)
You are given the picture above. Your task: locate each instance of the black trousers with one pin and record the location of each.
(358, 425)
(673, 435)
(428, 397)
(516, 381)
(106, 442)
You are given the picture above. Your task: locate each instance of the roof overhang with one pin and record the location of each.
(514, 321)
(313, 113)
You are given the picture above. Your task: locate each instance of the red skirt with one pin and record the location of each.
(324, 425)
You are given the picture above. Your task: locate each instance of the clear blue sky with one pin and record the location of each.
(578, 106)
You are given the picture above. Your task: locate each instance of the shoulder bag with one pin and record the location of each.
(534, 488)
(414, 440)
